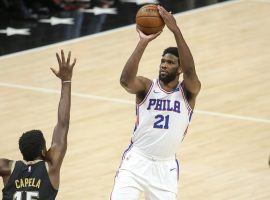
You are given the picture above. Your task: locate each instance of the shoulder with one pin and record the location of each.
(147, 84)
(147, 87)
(5, 166)
(146, 81)
(5, 162)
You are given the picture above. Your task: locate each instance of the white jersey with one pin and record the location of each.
(162, 121)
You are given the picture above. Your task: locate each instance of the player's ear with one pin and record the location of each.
(179, 70)
(44, 151)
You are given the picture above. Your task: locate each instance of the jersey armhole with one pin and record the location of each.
(12, 166)
(184, 96)
(147, 94)
(47, 169)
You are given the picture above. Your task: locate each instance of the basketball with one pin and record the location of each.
(148, 19)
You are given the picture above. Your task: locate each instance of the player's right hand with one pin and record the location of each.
(65, 67)
(168, 19)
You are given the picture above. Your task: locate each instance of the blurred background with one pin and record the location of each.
(225, 154)
(26, 24)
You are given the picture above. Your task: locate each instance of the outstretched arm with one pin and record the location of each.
(58, 148)
(191, 80)
(129, 80)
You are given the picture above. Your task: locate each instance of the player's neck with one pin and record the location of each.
(32, 161)
(37, 159)
(170, 86)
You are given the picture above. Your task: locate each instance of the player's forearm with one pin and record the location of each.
(191, 80)
(62, 126)
(64, 105)
(130, 70)
(186, 59)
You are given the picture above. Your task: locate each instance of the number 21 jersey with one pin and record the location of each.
(162, 121)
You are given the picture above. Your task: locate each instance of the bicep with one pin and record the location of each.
(57, 151)
(138, 86)
(55, 156)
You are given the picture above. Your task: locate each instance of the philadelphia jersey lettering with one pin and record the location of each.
(162, 121)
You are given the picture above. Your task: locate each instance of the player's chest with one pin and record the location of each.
(160, 101)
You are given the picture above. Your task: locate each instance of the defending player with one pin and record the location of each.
(37, 176)
(164, 109)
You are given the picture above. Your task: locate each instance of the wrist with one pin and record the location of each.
(66, 81)
(143, 42)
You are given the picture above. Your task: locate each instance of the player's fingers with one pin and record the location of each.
(63, 56)
(54, 71)
(157, 34)
(58, 59)
(68, 59)
(162, 9)
(154, 35)
(141, 34)
(164, 13)
(74, 62)
(159, 7)
(138, 30)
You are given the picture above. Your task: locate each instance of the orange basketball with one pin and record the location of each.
(149, 20)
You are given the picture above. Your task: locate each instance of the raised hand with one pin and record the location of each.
(147, 38)
(65, 68)
(168, 19)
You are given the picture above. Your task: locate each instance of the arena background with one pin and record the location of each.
(225, 153)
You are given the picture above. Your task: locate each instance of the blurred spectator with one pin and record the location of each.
(34, 9)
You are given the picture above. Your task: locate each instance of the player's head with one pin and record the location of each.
(32, 145)
(169, 65)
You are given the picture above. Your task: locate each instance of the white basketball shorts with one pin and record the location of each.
(138, 173)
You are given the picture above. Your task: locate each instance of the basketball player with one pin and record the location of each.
(164, 109)
(37, 176)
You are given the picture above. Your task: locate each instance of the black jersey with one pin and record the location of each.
(29, 181)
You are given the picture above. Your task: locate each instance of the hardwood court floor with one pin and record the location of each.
(225, 153)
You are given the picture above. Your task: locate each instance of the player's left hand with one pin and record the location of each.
(168, 19)
(147, 38)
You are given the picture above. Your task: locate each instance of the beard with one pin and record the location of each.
(166, 77)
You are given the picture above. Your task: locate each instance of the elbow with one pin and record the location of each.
(123, 81)
(197, 87)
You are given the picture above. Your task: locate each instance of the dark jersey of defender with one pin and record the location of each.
(29, 182)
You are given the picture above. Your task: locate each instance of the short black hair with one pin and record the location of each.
(171, 50)
(31, 144)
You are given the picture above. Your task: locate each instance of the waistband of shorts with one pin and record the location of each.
(151, 157)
